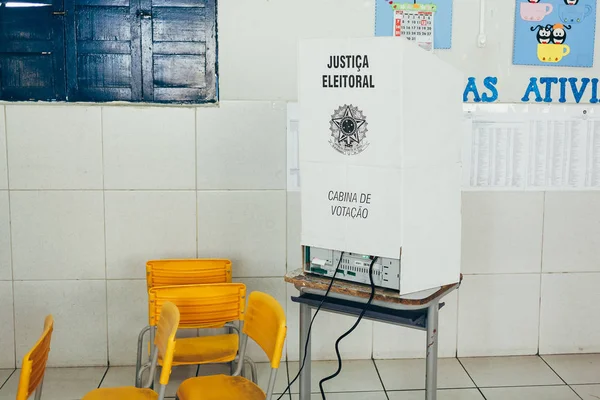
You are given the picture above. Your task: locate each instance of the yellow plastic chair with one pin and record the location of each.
(164, 348)
(178, 272)
(265, 324)
(187, 272)
(201, 306)
(34, 364)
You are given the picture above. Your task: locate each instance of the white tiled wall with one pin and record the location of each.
(241, 146)
(65, 154)
(149, 148)
(498, 315)
(572, 232)
(90, 202)
(127, 315)
(89, 193)
(7, 328)
(248, 227)
(502, 232)
(57, 235)
(79, 310)
(569, 310)
(3, 163)
(5, 253)
(143, 225)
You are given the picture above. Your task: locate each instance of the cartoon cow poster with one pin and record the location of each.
(555, 33)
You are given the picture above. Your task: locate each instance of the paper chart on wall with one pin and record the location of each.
(531, 148)
(415, 23)
(386, 17)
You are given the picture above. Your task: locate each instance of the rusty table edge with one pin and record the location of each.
(299, 280)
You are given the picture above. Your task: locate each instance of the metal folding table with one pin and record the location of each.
(416, 311)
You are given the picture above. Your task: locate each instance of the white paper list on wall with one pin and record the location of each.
(531, 147)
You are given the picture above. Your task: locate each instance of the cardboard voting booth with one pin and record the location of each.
(380, 143)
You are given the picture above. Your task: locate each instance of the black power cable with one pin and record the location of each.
(349, 331)
(310, 327)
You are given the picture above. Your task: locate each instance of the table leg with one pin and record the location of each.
(432, 352)
(305, 316)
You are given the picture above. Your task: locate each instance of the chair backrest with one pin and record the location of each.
(165, 338)
(265, 323)
(200, 306)
(34, 362)
(187, 272)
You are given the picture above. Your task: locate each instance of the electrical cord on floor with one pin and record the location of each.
(349, 331)
(310, 327)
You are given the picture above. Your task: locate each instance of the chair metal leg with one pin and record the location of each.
(140, 374)
(138, 361)
(253, 371)
(38, 392)
(152, 334)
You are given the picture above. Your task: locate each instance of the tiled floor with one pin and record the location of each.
(564, 377)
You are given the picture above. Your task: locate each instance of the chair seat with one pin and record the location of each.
(206, 349)
(121, 393)
(219, 387)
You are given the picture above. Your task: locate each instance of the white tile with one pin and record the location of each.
(5, 374)
(502, 232)
(448, 394)
(54, 147)
(57, 235)
(294, 227)
(271, 74)
(143, 225)
(576, 369)
(242, 145)
(325, 331)
(5, 247)
(79, 310)
(127, 315)
(149, 148)
(567, 298)
(60, 383)
(246, 227)
(3, 160)
(356, 376)
(410, 374)
(393, 342)
(571, 232)
(7, 333)
(510, 371)
(276, 287)
(498, 315)
(531, 393)
(587, 392)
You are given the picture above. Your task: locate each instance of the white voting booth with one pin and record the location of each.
(380, 142)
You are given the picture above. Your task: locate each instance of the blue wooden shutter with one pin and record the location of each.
(179, 50)
(32, 50)
(103, 50)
